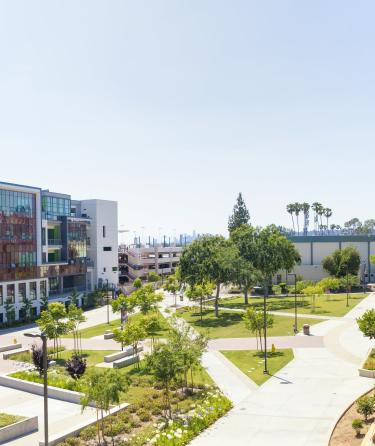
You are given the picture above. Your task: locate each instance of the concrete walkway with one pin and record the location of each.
(300, 406)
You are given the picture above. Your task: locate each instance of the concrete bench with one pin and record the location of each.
(6, 348)
(128, 360)
(108, 334)
(128, 351)
(8, 354)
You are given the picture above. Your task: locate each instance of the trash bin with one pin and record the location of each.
(306, 329)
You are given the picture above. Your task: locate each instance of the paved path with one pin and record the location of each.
(300, 406)
(280, 342)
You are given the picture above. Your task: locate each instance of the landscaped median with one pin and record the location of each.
(230, 324)
(251, 362)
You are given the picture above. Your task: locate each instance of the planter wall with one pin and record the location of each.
(23, 427)
(365, 372)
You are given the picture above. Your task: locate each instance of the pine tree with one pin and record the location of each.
(240, 214)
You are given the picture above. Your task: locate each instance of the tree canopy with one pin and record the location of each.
(240, 216)
(342, 262)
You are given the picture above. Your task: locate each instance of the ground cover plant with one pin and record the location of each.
(7, 420)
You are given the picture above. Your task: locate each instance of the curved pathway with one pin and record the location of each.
(300, 406)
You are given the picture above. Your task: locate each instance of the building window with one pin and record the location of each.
(21, 291)
(10, 293)
(107, 248)
(43, 289)
(114, 268)
(104, 232)
(104, 269)
(32, 293)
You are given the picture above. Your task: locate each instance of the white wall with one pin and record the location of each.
(103, 213)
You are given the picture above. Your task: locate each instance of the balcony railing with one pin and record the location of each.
(54, 241)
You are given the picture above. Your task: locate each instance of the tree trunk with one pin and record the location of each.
(217, 300)
(192, 381)
(201, 305)
(246, 293)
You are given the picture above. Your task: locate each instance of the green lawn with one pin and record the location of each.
(98, 330)
(92, 356)
(327, 304)
(6, 419)
(251, 362)
(231, 325)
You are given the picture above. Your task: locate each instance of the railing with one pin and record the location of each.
(54, 241)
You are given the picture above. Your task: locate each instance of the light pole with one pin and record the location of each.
(43, 337)
(107, 304)
(347, 285)
(295, 301)
(265, 371)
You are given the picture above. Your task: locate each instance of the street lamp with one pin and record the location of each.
(295, 302)
(265, 294)
(347, 285)
(43, 337)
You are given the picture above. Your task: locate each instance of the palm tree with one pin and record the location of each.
(315, 207)
(306, 215)
(327, 213)
(290, 210)
(297, 210)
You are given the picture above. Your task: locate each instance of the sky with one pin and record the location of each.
(172, 107)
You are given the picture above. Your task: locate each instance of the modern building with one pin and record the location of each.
(51, 244)
(314, 248)
(138, 261)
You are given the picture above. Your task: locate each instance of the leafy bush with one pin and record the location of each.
(76, 366)
(37, 357)
(365, 406)
(144, 415)
(55, 379)
(357, 425)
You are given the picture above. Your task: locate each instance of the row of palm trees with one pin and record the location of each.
(320, 212)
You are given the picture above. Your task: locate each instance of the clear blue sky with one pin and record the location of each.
(173, 107)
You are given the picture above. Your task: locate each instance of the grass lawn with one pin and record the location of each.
(98, 330)
(6, 419)
(231, 325)
(251, 362)
(327, 304)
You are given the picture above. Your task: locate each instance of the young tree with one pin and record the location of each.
(342, 262)
(312, 291)
(74, 297)
(366, 323)
(75, 318)
(132, 334)
(54, 323)
(44, 302)
(9, 311)
(172, 285)
(365, 406)
(164, 363)
(76, 366)
(329, 284)
(152, 325)
(254, 322)
(104, 387)
(146, 299)
(199, 292)
(357, 425)
(240, 214)
(246, 277)
(152, 277)
(27, 307)
(123, 305)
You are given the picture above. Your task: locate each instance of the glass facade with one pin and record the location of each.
(18, 248)
(54, 207)
(32, 291)
(21, 291)
(77, 240)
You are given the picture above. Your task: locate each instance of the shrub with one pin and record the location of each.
(76, 366)
(88, 433)
(365, 406)
(38, 358)
(144, 415)
(357, 425)
(133, 408)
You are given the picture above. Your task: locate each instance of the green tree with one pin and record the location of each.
(74, 297)
(172, 285)
(165, 365)
(137, 283)
(75, 318)
(290, 209)
(104, 387)
(329, 284)
(312, 291)
(357, 425)
(366, 323)
(152, 277)
(152, 325)
(365, 406)
(44, 302)
(211, 258)
(123, 305)
(342, 262)
(146, 299)
(245, 276)
(240, 214)
(27, 306)
(199, 292)
(132, 334)
(254, 322)
(54, 323)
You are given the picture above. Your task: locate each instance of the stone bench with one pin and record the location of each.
(6, 348)
(8, 354)
(128, 351)
(108, 334)
(128, 360)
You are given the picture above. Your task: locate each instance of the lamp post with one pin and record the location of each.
(43, 337)
(295, 301)
(107, 303)
(265, 294)
(347, 285)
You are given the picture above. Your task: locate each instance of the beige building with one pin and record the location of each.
(137, 262)
(313, 250)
